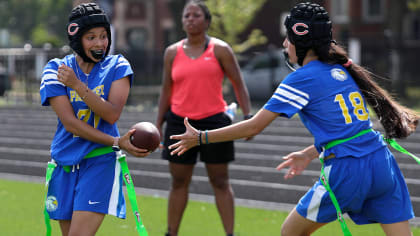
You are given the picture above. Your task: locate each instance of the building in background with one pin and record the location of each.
(142, 24)
(141, 29)
(381, 34)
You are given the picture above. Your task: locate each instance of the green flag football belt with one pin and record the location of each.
(324, 179)
(127, 180)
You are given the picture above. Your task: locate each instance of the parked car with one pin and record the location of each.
(264, 72)
(4, 80)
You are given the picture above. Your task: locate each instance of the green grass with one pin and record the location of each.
(21, 214)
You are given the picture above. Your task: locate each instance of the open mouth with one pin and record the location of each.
(97, 54)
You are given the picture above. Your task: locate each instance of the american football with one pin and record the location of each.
(147, 136)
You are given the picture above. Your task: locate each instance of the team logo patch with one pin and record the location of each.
(51, 203)
(338, 74)
(302, 30)
(72, 29)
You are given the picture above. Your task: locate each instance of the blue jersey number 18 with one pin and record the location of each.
(356, 101)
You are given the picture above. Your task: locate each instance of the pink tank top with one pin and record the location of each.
(197, 84)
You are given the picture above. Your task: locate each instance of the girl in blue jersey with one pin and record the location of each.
(330, 93)
(88, 91)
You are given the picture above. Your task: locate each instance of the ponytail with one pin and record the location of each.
(397, 120)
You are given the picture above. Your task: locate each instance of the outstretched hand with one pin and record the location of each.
(296, 161)
(188, 139)
(126, 145)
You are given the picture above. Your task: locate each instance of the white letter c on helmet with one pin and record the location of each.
(72, 29)
(303, 25)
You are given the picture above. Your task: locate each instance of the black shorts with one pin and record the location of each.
(214, 153)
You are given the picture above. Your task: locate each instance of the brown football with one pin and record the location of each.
(147, 136)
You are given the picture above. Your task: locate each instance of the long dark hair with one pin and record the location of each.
(397, 120)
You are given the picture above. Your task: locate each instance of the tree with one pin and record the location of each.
(30, 20)
(53, 15)
(231, 18)
(413, 5)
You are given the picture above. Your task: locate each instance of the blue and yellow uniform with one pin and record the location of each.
(93, 184)
(364, 175)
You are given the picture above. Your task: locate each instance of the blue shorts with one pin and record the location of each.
(94, 185)
(370, 189)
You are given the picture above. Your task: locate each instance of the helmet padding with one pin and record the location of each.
(83, 18)
(308, 26)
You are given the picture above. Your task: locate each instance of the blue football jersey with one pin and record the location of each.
(331, 106)
(66, 148)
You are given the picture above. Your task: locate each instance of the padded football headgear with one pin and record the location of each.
(83, 18)
(308, 26)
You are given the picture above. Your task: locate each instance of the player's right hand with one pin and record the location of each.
(66, 75)
(127, 146)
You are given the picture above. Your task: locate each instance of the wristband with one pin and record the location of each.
(207, 138)
(247, 117)
(199, 137)
(115, 146)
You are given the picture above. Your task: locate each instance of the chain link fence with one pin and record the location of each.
(21, 69)
(20, 72)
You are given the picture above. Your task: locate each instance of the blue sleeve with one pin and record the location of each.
(291, 96)
(50, 86)
(123, 69)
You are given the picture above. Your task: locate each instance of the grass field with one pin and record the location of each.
(21, 214)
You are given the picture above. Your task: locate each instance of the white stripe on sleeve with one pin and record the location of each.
(48, 77)
(291, 96)
(49, 71)
(295, 90)
(123, 64)
(49, 83)
(298, 106)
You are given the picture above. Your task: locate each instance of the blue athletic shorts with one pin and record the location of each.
(370, 189)
(94, 185)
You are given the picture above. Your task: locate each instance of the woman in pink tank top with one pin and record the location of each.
(194, 69)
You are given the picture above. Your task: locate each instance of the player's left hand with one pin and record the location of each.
(67, 76)
(296, 161)
(188, 139)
